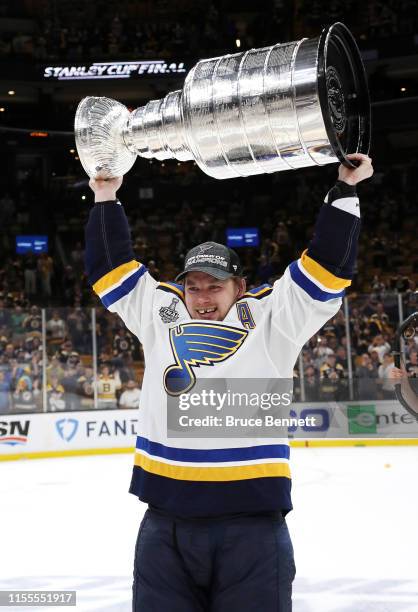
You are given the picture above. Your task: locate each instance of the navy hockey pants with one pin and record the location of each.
(234, 564)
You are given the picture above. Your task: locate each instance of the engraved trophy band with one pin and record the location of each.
(286, 106)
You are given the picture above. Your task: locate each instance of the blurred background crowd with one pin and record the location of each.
(46, 318)
(57, 30)
(171, 209)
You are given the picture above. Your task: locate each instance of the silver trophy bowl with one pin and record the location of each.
(287, 106)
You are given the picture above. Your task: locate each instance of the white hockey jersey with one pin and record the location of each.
(260, 337)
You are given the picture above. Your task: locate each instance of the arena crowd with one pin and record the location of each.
(174, 211)
(76, 30)
(174, 206)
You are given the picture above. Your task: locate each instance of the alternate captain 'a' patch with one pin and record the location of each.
(195, 344)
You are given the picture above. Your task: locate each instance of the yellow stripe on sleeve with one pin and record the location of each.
(212, 474)
(114, 276)
(322, 275)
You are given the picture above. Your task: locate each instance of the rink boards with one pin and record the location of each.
(114, 431)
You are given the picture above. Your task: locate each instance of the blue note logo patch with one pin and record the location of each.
(195, 345)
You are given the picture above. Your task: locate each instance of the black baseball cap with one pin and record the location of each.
(213, 258)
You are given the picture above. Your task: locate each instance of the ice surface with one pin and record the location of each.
(70, 524)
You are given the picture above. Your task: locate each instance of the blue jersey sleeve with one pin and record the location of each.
(122, 283)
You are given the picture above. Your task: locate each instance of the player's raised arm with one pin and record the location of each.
(312, 287)
(122, 283)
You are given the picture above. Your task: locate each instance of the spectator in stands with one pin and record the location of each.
(332, 340)
(412, 364)
(123, 343)
(17, 318)
(411, 296)
(130, 398)
(64, 351)
(366, 377)
(4, 315)
(311, 384)
(341, 355)
(54, 369)
(5, 397)
(385, 376)
(29, 271)
(56, 396)
(27, 393)
(412, 345)
(56, 328)
(102, 326)
(33, 343)
(9, 351)
(379, 321)
(331, 375)
(5, 366)
(321, 351)
(78, 325)
(70, 384)
(379, 346)
(105, 358)
(45, 271)
(374, 356)
(336, 326)
(33, 322)
(85, 389)
(126, 368)
(307, 357)
(378, 287)
(107, 387)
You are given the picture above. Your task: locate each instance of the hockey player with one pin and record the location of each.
(214, 536)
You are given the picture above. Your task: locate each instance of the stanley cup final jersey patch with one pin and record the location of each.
(169, 314)
(196, 344)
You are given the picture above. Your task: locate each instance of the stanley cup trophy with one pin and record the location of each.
(287, 106)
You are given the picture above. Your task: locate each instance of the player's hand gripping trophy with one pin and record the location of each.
(290, 105)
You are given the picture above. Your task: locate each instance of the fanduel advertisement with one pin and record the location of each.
(113, 70)
(218, 414)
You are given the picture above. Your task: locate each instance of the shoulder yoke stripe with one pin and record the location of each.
(259, 292)
(172, 288)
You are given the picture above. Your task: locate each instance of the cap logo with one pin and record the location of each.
(203, 247)
(235, 267)
(216, 260)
